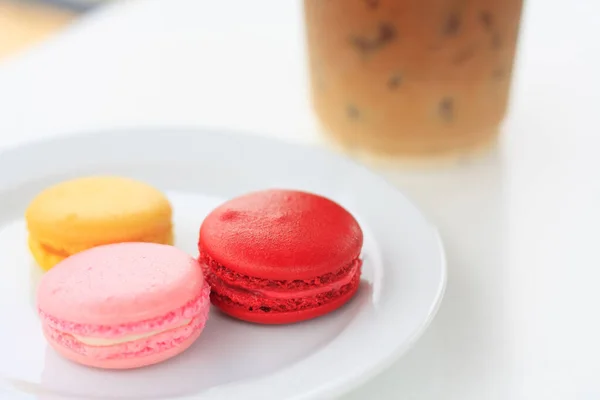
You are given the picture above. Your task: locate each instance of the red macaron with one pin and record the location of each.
(280, 256)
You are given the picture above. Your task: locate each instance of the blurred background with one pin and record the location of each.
(25, 22)
(519, 222)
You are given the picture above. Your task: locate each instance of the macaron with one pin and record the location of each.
(124, 305)
(280, 256)
(79, 214)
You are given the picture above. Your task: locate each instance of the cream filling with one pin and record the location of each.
(96, 341)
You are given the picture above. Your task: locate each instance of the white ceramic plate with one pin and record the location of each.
(403, 280)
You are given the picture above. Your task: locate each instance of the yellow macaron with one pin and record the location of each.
(87, 212)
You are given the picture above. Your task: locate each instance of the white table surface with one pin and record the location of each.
(520, 319)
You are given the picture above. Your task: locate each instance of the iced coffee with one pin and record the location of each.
(411, 77)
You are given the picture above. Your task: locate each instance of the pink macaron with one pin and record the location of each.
(123, 305)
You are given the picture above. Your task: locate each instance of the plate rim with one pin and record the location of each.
(349, 382)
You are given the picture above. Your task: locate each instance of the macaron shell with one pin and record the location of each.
(257, 285)
(173, 319)
(125, 363)
(284, 317)
(42, 257)
(120, 283)
(281, 234)
(97, 210)
(47, 256)
(132, 354)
